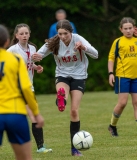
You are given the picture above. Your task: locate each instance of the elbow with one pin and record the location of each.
(25, 89)
(95, 55)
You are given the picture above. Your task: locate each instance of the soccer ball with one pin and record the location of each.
(82, 140)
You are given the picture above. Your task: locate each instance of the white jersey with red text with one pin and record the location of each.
(70, 63)
(26, 55)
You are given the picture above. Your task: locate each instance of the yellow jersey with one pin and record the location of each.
(15, 85)
(125, 54)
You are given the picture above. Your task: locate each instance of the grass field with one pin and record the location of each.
(95, 114)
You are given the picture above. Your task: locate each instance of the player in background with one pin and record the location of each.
(15, 92)
(69, 52)
(20, 44)
(59, 15)
(135, 31)
(124, 53)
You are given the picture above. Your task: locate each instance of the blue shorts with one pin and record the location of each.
(16, 127)
(125, 85)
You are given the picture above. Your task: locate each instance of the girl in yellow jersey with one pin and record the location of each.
(124, 53)
(15, 92)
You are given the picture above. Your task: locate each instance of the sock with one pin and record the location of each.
(74, 128)
(114, 119)
(38, 135)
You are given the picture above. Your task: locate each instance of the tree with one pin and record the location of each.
(95, 20)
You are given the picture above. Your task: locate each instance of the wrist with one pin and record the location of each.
(109, 73)
(35, 68)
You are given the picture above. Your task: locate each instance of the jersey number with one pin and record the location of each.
(1, 70)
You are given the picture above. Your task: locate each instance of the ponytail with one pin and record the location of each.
(53, 44)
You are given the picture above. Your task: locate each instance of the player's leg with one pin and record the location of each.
(22, 151)
(134, 102)
(76, 93)
(38, 134)
(133, 91)
(74, 118)
(122, 88)
(2, 127)
(62, 88)
(17, 130)
(118, 109)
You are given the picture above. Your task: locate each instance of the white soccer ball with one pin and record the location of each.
(82, 140)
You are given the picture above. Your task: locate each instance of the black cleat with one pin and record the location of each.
(113, 130)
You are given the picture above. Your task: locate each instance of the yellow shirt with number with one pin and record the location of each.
(126, 62)
(15, 85)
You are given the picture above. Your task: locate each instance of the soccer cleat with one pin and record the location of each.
(75, 152)
(113, 130)
(60, 101)
(44, 150)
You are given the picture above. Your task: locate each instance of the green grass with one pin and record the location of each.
(95, 114)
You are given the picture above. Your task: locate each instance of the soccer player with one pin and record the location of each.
(135, 31)
(59, 15)
(124, 53)
(15, 92)
(69, 52)
(20, 44)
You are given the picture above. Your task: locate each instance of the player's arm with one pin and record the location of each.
(90, 50)
(111, 60)
(38, 68)
(25, 86)
(110, 66)
(41, 53)
(28, 95)
(110, 73)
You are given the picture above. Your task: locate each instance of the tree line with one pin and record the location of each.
(97, 21)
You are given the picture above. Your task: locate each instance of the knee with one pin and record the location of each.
(134, 104)
(122, 104)
(74, 113)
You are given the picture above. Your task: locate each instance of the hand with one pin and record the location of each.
(36, 57)
(39, 69)
(39, 121)
(79, 45)
(111, 79)
(135, 31)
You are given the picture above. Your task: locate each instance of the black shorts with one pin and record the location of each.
(74, 84)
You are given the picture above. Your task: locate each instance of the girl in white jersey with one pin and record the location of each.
(20, 44)
(69, 52)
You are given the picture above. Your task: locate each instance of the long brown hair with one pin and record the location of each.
(53, 43)
(14, 39)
